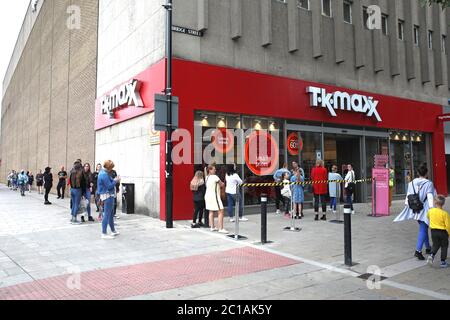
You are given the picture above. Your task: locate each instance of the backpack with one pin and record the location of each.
(414, 202)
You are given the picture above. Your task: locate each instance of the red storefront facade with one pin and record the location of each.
(210, 88)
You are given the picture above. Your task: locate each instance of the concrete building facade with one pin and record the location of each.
(50, 88)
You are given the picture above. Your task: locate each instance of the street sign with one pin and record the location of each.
(187, 31)
(161, 112)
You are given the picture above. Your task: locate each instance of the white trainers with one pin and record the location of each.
(224, 231)
(232, 220)
(353, 212)
(214, 229)
(107, 237)
(115, 234)
(278, 212)
(243, 219)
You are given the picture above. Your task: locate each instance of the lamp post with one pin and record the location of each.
(169, 143)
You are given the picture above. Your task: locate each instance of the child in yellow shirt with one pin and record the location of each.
(440, 230)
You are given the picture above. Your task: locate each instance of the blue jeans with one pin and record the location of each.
(350, 200)
(333, 204)
(76, 199)
(423, 238)
(108, 217)
(231, 200)
(88, 202)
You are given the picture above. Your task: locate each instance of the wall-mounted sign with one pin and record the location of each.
(223, 140)
(294, 144)
(262, 153)
(343, 101)
(126, 95)
(187, 31)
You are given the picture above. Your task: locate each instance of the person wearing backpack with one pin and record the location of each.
(419, 200)
(22, 180)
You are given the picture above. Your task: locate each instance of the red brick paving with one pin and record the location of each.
(141, 279)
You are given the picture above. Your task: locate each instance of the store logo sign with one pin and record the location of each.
(127, 95)
(343, 101)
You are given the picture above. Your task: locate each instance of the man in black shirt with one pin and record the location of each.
(48, 184)
(62, 175)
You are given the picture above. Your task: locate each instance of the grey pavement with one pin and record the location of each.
(37, 242)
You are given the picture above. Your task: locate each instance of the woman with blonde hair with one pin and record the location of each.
(213, 200)
(198, 189)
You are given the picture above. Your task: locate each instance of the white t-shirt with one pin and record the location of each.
(232, 182)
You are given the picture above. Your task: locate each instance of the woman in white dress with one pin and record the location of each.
(213, 200)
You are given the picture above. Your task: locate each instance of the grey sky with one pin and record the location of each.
(12, 14)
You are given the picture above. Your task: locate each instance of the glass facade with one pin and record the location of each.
(305, 143)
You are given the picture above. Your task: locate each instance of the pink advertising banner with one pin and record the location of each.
(380, 192)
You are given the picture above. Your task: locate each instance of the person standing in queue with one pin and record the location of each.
(39, 181)
(350, 186)
(61, 188)
(48, 184)
(106, 189)
(319, 177)
(391, 184)
(77, 189)
(198, 189)
(98, 168)
(233, 180)
(30, 181)
(213, 200)
(22, 180)
(114, 175)
(334, 188)
(88, 176)
(298, 195)
(278, 178)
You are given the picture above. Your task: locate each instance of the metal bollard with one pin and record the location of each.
(236, 235)
(263, 218)
(348, 235)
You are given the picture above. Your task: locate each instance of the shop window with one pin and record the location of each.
(444, 43)
(348, 12)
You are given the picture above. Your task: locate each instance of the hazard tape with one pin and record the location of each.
(306, 183)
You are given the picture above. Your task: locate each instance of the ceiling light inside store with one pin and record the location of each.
(205, 122)
(221, 123)
(258, 125)
(272, 126)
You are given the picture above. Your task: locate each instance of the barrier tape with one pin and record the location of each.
(306, 183)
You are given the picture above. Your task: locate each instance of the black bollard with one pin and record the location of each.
(263, 218)
(348, 235)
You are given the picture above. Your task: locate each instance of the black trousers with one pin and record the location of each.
(47, 191)
(279, 198)
(320, 198)
(440, 241)
(199, 210)
(61, 187)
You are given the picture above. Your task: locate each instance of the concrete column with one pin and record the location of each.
(338, 17)
(236, 19)
(423, 43)
(316, 10)
(409, 40)
(437, 45)
(358, 25)
(447, 49)
(393, 37)
(203, 14)
(266, 22)
(293, 26)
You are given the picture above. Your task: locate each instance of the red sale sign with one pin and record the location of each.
(262, 153)
(294, 144)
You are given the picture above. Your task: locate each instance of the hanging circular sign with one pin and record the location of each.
(222, 140)
(262, 153)
(294, 144)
